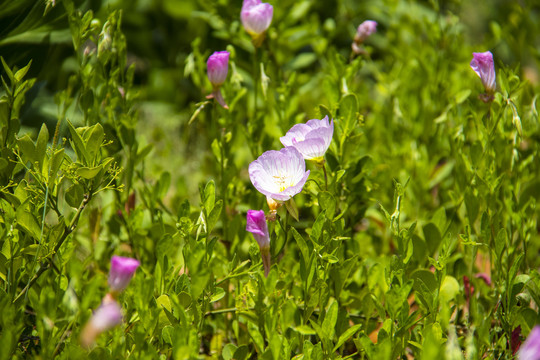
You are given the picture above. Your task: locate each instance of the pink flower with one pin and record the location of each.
(106, 316)
(279, 174)
(217, 68)
(530, 350)
(311, 139)
(256, 224)
(121, 272)
(364, 30)
(482, 64)
(256, 17)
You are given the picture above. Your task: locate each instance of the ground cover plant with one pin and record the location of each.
(287, 180)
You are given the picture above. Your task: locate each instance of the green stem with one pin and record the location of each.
(67, 231)
(325, 177)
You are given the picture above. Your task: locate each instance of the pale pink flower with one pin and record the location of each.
(311, 139)
(256, 17)
(530, 350)
(279, 174)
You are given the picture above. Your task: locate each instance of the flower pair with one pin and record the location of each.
(109, 313)
(282, 174)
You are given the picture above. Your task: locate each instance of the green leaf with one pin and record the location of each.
(209, 196)
(292, 208)
(304, 330)
(316, 230)
(330, 320)
(88, 173)
(500, 242)
(346, 336)
(328, 203)
(214, 215)
(432, 237)
(218, 295)
(41, 144)
(27, 149)
(94, 139)
(348, 109)
(302, 245)
(74, 195)
(78, 145)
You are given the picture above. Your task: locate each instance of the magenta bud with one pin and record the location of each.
(217, 68)
(256, 224)
(121, 272)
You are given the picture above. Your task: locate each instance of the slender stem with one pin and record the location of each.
(67, 230)
(325, 177)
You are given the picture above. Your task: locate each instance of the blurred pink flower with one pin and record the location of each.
(106, 316)
(256, 224)
(482, 64)
(121, 272)
(256, 17)
(530, 350)
(311, 139)
(364, 31)
(279, 174)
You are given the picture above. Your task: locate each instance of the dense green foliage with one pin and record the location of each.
(424, 244)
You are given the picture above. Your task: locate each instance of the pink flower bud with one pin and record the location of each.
(364, 30)
(217, 67)
(121, 272)
(256, 224)
(256, 17)
(482, 64)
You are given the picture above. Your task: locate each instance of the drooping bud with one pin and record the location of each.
(256, 224)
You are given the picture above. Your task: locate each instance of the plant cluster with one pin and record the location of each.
(400, 221)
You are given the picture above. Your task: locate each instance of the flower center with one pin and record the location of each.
(281, 181)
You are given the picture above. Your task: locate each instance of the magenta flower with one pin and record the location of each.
(279, 174)
(256, 17)
(530, 350)
(311, 139)
(106, 316)
(364, 31)
(482, 64)
(217, 67)
(256, 224)
(121, 272)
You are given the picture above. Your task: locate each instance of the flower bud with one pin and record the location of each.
(364, 31)
(256, 224)
(217, 68)
(482, 64)
(121, 272)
